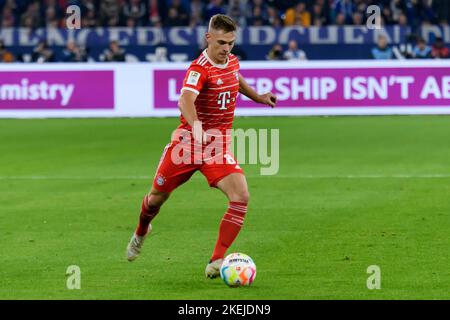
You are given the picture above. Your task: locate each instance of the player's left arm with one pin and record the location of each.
(267, 98)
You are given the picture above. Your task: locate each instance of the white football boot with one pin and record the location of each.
(135, 245)
(213, 269)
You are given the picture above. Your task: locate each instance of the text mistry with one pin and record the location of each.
(37, 91)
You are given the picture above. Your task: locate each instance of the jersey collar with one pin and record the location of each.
(221, 66)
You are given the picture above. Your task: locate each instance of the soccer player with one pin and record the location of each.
(207, 102)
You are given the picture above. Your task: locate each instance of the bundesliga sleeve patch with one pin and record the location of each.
(193, 78)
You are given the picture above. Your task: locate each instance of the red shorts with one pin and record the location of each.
(171, 174)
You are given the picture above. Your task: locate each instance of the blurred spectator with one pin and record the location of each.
(276, 53)
(439, 50)
(89, 19)
(360, 6)
(387, 17)
(197, 8)
(342, 10)
(54, 8)
(293, 52)
(397, 8)
(257, 18)
(42, 53)
(32, 16)
(74, 53)
(109, 13)
(134, 10)
(426, 9)
(156, 10)
(236, 11)
(340, 19)
(257, 12)
(318, 17)
(27, 22)
(406, 48)
(273, 16)
(177, 15)
(52, 19)
(131, 23)
(172, 18)
(298, 15)
(114, 53)
(5, 55)
(8, 17)
(442, 11)
(11, 4)
(214, 7)
(358, 19)
(418, 12)
(88, 5)
(421, 50)
(402, 20)
(382, 51)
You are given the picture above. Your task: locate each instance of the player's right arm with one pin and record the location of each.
(187, 108)
(193, 83)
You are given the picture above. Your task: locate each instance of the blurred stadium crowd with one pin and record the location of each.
(33, 14)
(167, 13)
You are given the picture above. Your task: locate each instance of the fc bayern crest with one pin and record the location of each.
(160, 180)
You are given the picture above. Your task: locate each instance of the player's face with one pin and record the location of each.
(220, 44)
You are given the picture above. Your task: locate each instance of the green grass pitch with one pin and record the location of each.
(351, 192)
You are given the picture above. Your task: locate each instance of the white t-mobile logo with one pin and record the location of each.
(224, 98)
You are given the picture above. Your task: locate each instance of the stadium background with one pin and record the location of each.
(177, 27)
(351, 191)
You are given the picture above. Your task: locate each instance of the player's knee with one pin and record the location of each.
(243, 196)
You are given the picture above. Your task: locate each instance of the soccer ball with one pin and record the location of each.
(238, 269)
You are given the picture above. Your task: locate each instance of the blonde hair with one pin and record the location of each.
(222, 22)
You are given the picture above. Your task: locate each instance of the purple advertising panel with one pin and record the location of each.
(56, 90)
(331, 87)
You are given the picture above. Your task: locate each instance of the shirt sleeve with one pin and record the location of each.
(195, 79)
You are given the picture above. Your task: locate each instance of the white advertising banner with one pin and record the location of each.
(303, 88)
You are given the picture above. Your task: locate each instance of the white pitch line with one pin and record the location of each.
(278, 176)
(374, 176)
(74, 178)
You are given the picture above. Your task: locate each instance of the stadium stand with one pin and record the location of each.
(156, 30)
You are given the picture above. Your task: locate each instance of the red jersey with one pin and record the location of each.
(217, 86)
